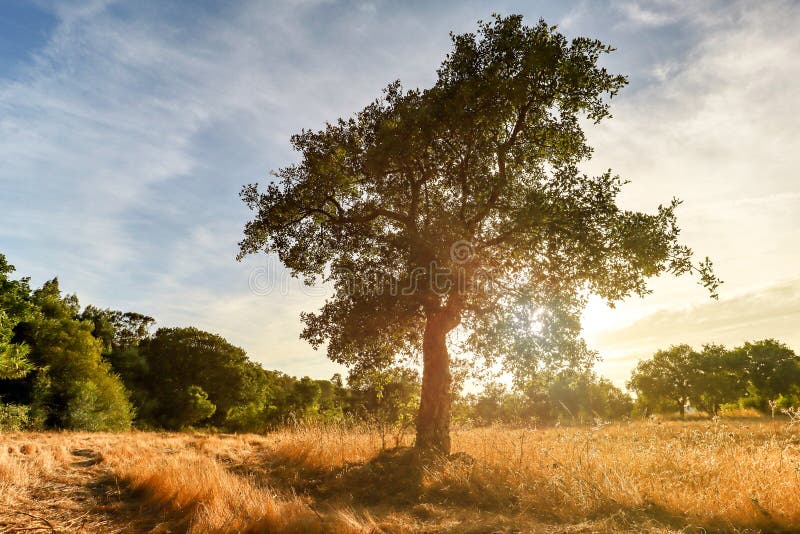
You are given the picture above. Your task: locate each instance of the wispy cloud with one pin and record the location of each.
(772, 312)
(717, 130)
(125, 139)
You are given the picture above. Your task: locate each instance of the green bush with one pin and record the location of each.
(14, 417)
(74, 386)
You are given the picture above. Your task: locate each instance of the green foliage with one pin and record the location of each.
(52, 305)
(98, 404)
(14, 361)
(75, 387)
(569, 396)
(93, 370)
(665, 381)
(462, 205)
(387, 398)
(179, 358)
(119, 331)
(250, 417)
(14, 417)
(750, 376)
(15, 306)
(718, 378)
(305, 396)
(771, 367)
(195, 405)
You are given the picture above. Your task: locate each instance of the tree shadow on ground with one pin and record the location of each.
(455, 490)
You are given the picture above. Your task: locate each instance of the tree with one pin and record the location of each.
(771, 367)
(462, 205)
(718, 378)
(74, 387)
(194, 405)
(666, 379)
(491, 405)
(15, 306)
(305, 396)
(118, 330)
(387, 398)
(182, 362)
(121, 333)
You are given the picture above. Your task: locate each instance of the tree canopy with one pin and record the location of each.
(755, 374)
(463, 205)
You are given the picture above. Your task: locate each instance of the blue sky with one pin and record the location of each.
(128, 128)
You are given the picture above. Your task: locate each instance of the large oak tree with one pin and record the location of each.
(462, 205)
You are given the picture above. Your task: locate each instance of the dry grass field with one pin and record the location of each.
(698, 476)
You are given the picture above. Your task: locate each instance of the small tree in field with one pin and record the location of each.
(462, 205)
(667, 379)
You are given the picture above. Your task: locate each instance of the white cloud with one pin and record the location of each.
(719, 131)
(124, 142)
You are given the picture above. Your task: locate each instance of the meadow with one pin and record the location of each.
(657, 476)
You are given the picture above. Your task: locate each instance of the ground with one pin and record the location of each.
(698, 476)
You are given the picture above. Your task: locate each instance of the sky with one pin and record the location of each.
(127, 130)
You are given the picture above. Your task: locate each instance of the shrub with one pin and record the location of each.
(14, 417)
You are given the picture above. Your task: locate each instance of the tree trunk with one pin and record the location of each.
(433, 419)
(683, 408)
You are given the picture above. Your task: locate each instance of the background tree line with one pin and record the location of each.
(764, 375)
(67, 367)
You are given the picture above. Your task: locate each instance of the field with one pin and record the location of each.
(697, 476)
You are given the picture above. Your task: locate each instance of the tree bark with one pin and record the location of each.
(433, 419)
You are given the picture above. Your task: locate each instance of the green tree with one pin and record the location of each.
(118, 330)
(718, 378)
(387, 398)
(305, 397)
(74, 387)
(771, 367)
(462, 204)
(178, 359)
(492, 404)
(52, 304)
(121, 333)
(582, 395)
(666, 380)
(15, 306)
(195, 406)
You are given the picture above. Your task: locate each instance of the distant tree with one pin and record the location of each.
(74, 388)
(194, 405)
(121, 333)
(387, 398)
(492, 404)
(666, 380)
(118, 330)
(718, 378)
(179, 359)
(15, 307)
(52, 304)
(606, 400)
(305, 396)
(771, 367)
(580, 395)
(409, 207)
(331, 398)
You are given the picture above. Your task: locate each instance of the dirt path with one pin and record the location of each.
(79, 495)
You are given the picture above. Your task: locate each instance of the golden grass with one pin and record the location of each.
(725, 475)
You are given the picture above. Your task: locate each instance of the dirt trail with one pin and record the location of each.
(79, 495)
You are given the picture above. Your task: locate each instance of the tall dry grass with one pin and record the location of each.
(720, 475)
